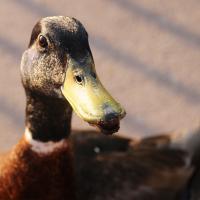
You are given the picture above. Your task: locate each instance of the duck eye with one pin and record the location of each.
(79, 79)
(43, 41)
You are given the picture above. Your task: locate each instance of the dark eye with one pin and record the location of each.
(79, 79)
(43, 41)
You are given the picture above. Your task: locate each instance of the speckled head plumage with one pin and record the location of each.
(43, 67)
(58, 64)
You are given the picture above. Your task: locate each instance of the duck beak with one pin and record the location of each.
(88, 97)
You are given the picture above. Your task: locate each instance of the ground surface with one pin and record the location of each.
(147, 53)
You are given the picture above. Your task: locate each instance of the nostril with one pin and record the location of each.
(79, 79)
(94, 75)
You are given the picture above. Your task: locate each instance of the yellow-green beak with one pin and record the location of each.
(88, 98)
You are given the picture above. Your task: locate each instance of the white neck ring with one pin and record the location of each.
(44, 147)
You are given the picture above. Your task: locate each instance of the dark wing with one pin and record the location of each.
(122, 169)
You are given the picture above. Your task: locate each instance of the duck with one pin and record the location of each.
(51, 162)
(58, 74)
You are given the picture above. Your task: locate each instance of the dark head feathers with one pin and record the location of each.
(35, 32)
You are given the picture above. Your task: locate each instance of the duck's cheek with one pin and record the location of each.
(40, 73)
(29, 58)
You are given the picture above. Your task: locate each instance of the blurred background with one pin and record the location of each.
(147, 54)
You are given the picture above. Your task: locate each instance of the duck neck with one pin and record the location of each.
(47, 118)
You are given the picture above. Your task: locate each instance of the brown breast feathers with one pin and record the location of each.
(26, 175)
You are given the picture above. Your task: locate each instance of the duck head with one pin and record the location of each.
(59, 64)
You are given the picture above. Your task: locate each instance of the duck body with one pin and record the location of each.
(92, 166)
(28, 175)
(124, 169)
